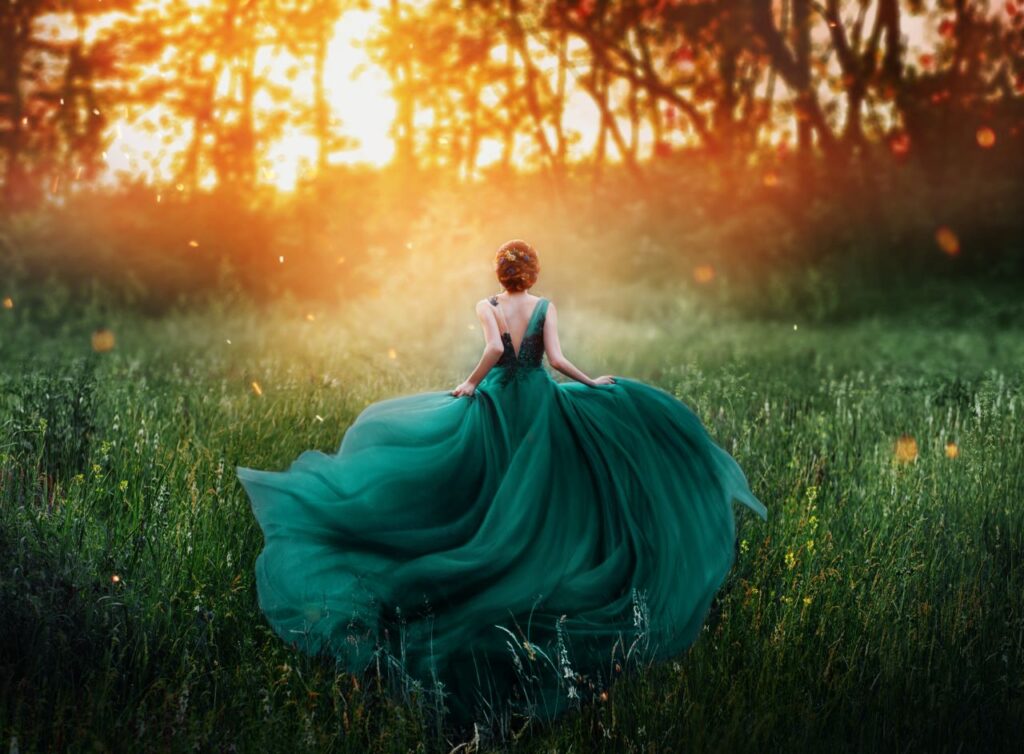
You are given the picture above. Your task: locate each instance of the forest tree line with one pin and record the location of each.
(834, 79)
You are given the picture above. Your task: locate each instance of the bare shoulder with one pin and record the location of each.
(483, 304)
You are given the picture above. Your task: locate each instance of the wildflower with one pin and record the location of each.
(744, 546)
(790, 559)
(810, 545)
(807, 600)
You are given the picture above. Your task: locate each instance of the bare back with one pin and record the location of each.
(513, 315)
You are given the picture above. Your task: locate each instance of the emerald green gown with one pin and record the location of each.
(500, 544)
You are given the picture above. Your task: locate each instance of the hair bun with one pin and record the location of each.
(517, 265)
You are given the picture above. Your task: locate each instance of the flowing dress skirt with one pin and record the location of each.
(518, 526)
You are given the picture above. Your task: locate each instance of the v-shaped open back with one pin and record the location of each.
(529, 324)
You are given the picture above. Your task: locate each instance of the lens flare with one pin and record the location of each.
(905, 450)
(947, 241)
(703, 273)
(102, 340)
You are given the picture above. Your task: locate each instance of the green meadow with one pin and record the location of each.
(881, 607)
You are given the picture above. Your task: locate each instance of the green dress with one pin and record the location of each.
(501, 544)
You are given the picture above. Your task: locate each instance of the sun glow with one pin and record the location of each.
(144, 144)
(358, 92)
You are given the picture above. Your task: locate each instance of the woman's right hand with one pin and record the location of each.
(605, 379)
(466, 388)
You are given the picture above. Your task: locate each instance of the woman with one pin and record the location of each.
(503, 538)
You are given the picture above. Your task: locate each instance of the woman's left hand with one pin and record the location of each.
(466, 388)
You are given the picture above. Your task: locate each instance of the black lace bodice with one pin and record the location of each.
(531, 350)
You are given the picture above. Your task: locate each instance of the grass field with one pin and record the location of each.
(881, 607)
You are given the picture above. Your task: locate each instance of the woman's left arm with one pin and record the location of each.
(493, 349)
(557, 360)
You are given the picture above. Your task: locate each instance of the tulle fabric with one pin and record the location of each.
(534, 505)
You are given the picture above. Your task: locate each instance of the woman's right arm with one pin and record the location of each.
(493, 349)
(557, 359)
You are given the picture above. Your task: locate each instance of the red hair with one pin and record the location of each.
(516, 265)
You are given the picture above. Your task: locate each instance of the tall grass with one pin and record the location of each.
(880, 608)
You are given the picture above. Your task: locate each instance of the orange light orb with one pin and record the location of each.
(8, 302)
(986, 137)
(952, 451)
(905, 450)
(256, 389)
(770, 179)
(102, 340)
(900, 144)
(947, 241)
(703, 273)
(392, 353)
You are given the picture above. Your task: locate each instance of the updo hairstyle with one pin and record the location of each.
(516, 265)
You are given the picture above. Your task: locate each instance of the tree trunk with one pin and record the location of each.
(517, 40)
(802, 52)
(13, 34)
(405, 145)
